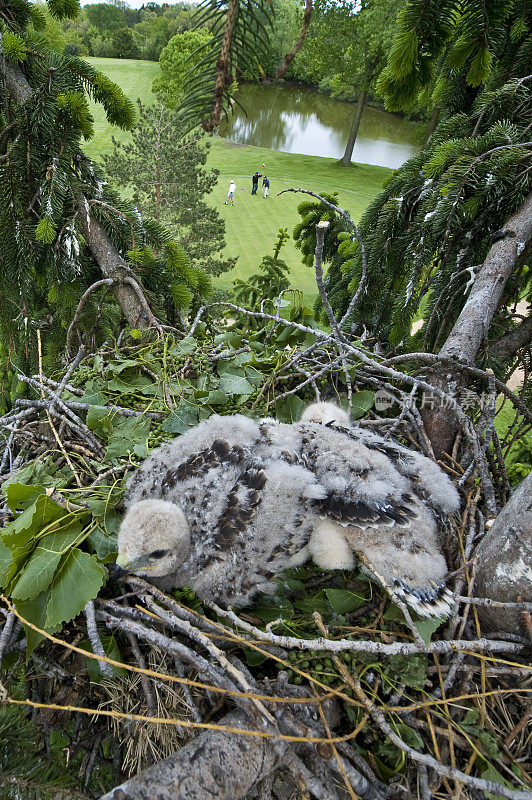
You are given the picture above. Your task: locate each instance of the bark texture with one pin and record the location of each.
(220, 766)
(519, 337)
(113, 266)
(504, 570)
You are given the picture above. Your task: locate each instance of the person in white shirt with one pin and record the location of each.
(231, 193)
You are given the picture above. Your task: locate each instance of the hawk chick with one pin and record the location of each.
(231, 503)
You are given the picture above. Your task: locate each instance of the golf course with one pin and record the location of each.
(252, 224)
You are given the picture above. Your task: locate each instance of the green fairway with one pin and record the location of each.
(253, 222)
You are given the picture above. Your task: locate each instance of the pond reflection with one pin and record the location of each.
(305, 121)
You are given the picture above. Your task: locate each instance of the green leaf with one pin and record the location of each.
(111, 650)
(342, 601)
(6, 563)
(100, 420)
(34, 611)
(253, 658)
(39, 570)
(103, 545)
(78, 579)
(289, 409)
(130, 435)
(411, 670)
(186, 345)
(427, 626)
(362, 402)
(20, 496)
(235, 384)
(410, 736)
(19, 535)
(182, 418)
(490, 773)
(216, 398)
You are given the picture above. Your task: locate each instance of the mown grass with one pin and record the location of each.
(253, 223)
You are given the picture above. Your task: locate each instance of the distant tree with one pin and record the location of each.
(347, 48)
(124, 45)
(105, 17)
(166, 173)
(177, 58)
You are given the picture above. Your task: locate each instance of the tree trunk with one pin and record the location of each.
(504, 568)
(353, 133)
(471, 328)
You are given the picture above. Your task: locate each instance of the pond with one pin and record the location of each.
(299, 120)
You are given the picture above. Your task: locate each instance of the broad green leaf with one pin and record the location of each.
(111, 650)
(20, 496)
(289, 409)
(133, 384)
(311, 603)
(34, 611)
(6, 563)
(39, 570)
(115, 368)
(100, 420)
(411, 669)
(129, 436)
(427, 626)
(342, 601)
(410, 736)
(78, 579)
(253, 658)
(216, 398)
(20, 534)
(103, 544)
(362, 402)
(490, 773)
(235, 384)
(186, 345)
(182, 418)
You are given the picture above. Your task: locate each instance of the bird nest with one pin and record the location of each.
(327, 680)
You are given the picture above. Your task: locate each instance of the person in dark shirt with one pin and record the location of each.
(266, 186)
(255, 182)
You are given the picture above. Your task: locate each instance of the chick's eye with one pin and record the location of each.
(159, 553)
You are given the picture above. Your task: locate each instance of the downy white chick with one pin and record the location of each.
(231, 503)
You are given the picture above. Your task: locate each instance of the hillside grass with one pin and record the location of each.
(252, 224)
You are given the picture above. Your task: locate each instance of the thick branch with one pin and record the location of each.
(505, 347)
(504, 571)
(222, 766)
(471, 327)
(113, 266)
